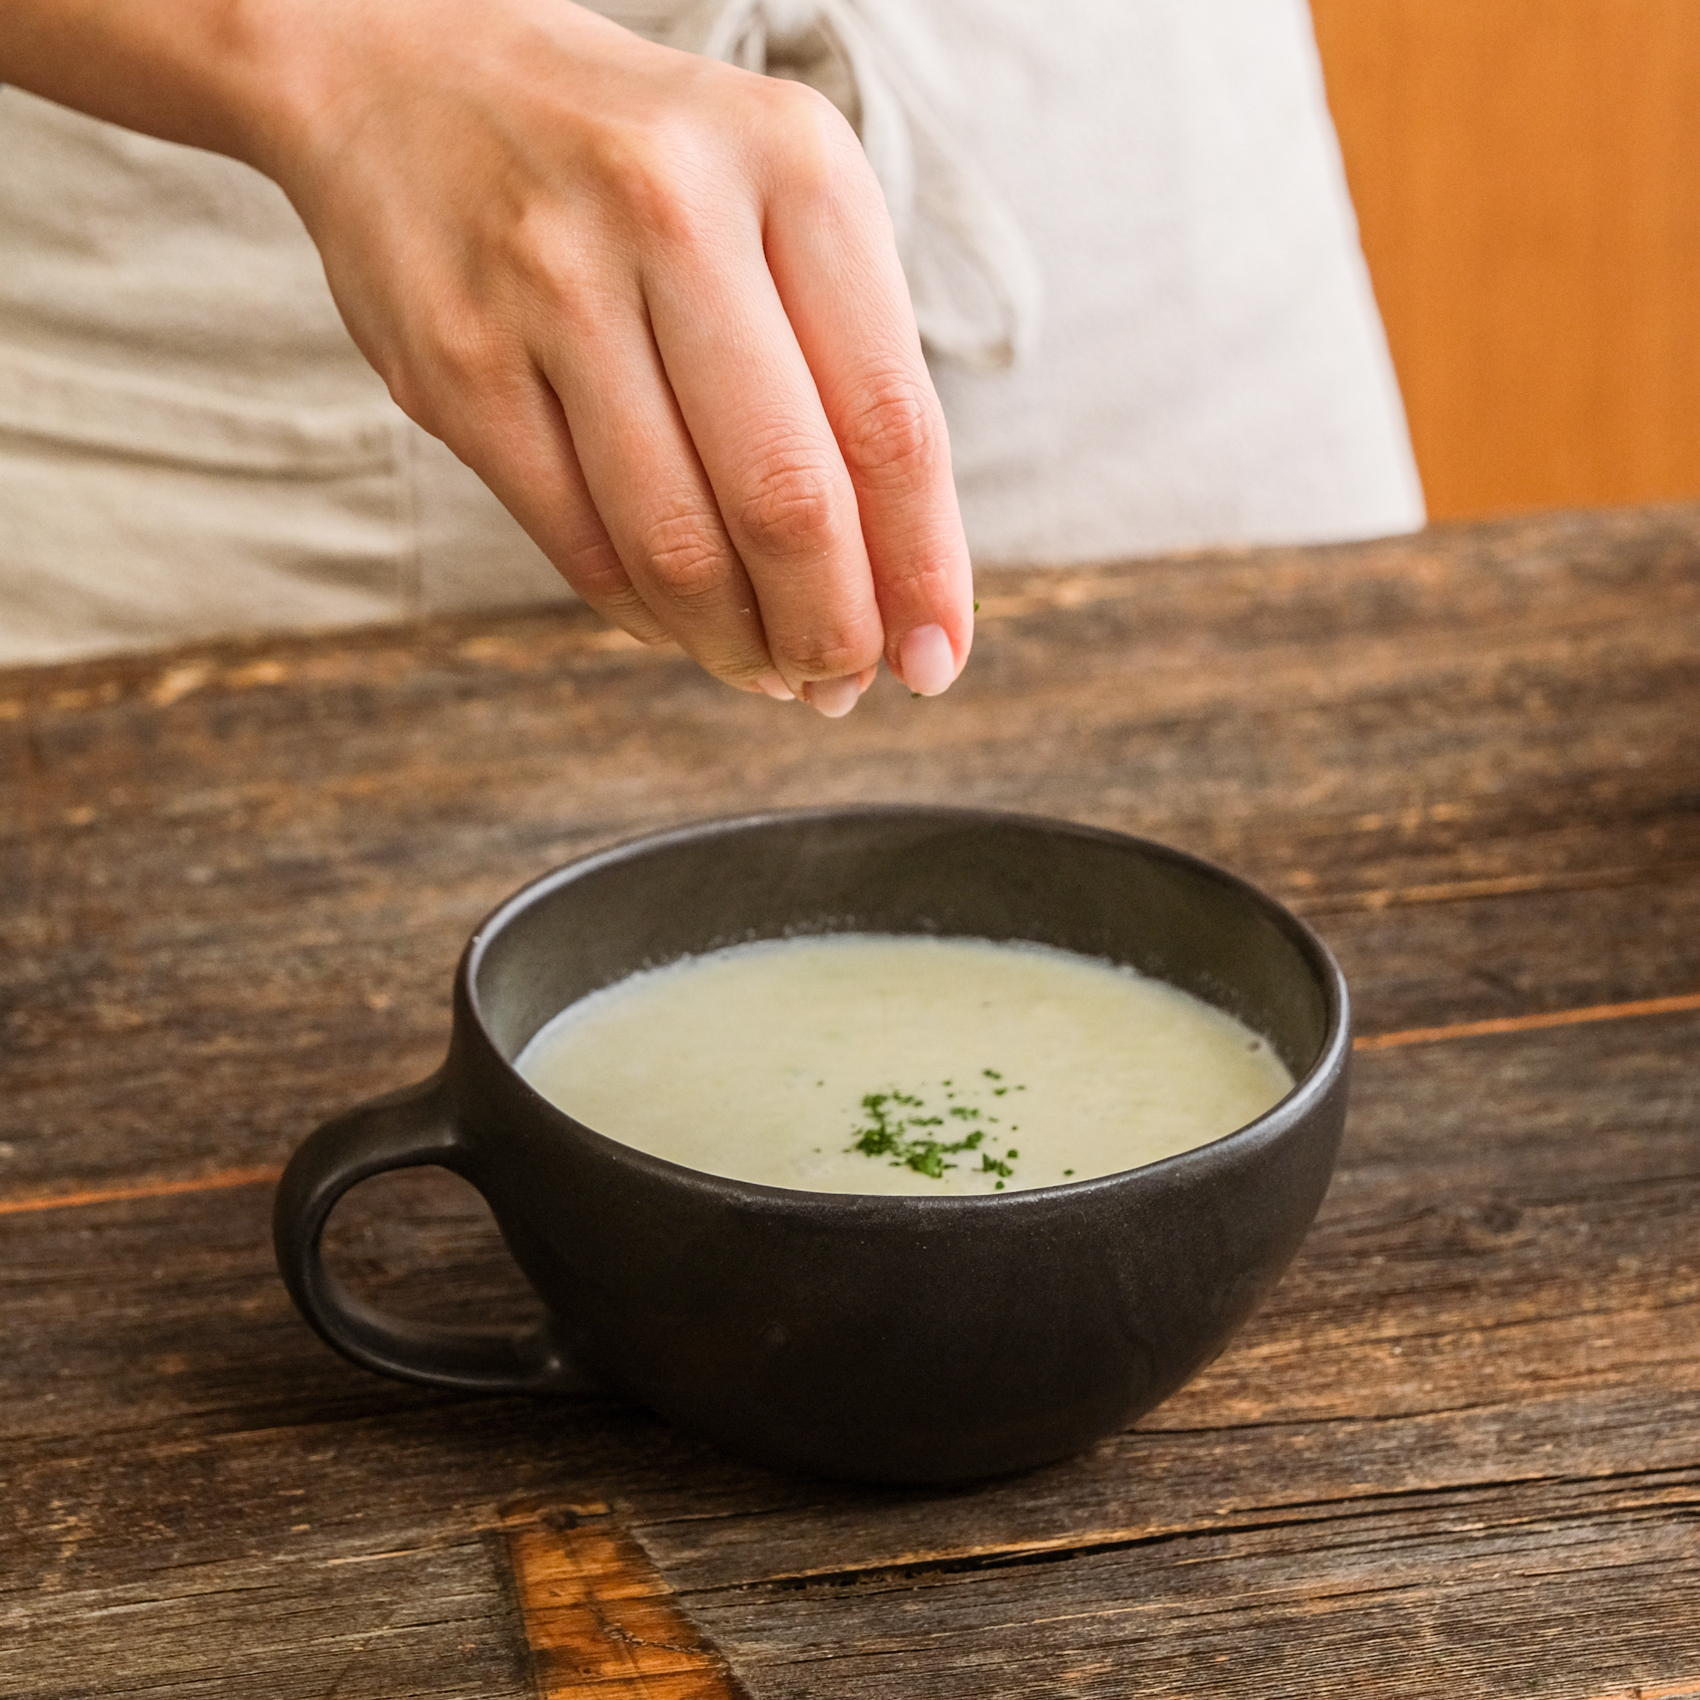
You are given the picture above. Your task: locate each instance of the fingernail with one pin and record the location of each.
(770, 684)
(926, 661)
(834, 697)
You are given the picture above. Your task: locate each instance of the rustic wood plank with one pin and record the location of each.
(232, 884)
(1578, 1285)
(1165, 720)
(1453, 1598)
(1684, 1003)
(1474, 959)
(1484, 1298)
(1554, 1161)
(163, 1108)
(433, 1623)
(600, 1618)
(239, 876)
(1477, 1269)
(1154, 1483)
(1176, 676)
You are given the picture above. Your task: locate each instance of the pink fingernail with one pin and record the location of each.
(834, 697)
(772, 685)
(926, 661)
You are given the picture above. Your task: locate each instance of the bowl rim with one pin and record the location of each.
(1307, 1092)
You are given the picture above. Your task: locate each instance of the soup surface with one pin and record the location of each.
(865, 1063)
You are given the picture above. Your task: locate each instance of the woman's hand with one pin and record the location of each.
(652, 300)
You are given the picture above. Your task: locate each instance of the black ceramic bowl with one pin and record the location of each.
(905, 1338)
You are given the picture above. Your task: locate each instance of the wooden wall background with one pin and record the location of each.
(1527, 179)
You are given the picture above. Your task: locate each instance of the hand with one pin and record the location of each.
(654, 302)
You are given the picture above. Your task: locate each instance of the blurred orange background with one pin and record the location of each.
(1527, 180)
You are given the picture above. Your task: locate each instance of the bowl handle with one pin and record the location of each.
(401, 1130)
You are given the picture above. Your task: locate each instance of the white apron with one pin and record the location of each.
(1125, 226)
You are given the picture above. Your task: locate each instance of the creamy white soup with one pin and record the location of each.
(864, 1063)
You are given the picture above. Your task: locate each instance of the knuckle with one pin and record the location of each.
(654, 174)
(826, 654)
(790, 101)
(689, 559)
(807, 132)
(934, 578)
(813, 159)
(414, 397)
(789, 509)
(451, 377)
(894, 435)
(460, 360)
(596, 572)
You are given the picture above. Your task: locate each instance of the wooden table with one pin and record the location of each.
(1457, 1454)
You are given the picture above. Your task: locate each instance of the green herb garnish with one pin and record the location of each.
(895, 1127)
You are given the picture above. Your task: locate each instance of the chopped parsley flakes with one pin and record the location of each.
(898, 1126)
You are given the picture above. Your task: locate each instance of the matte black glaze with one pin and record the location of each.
(885, 1338)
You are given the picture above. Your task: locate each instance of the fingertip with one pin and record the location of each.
(834, 698)
(926, 663)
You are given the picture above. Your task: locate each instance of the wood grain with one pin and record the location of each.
(1489, 714)
(1530, 1023)
(600, 1618)
(1456, 1452)
(1527, 181)
(1464, 1337)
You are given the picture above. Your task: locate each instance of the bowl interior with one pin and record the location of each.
(949, 873)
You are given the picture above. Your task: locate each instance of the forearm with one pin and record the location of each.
(194, 71)
(280, 84)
